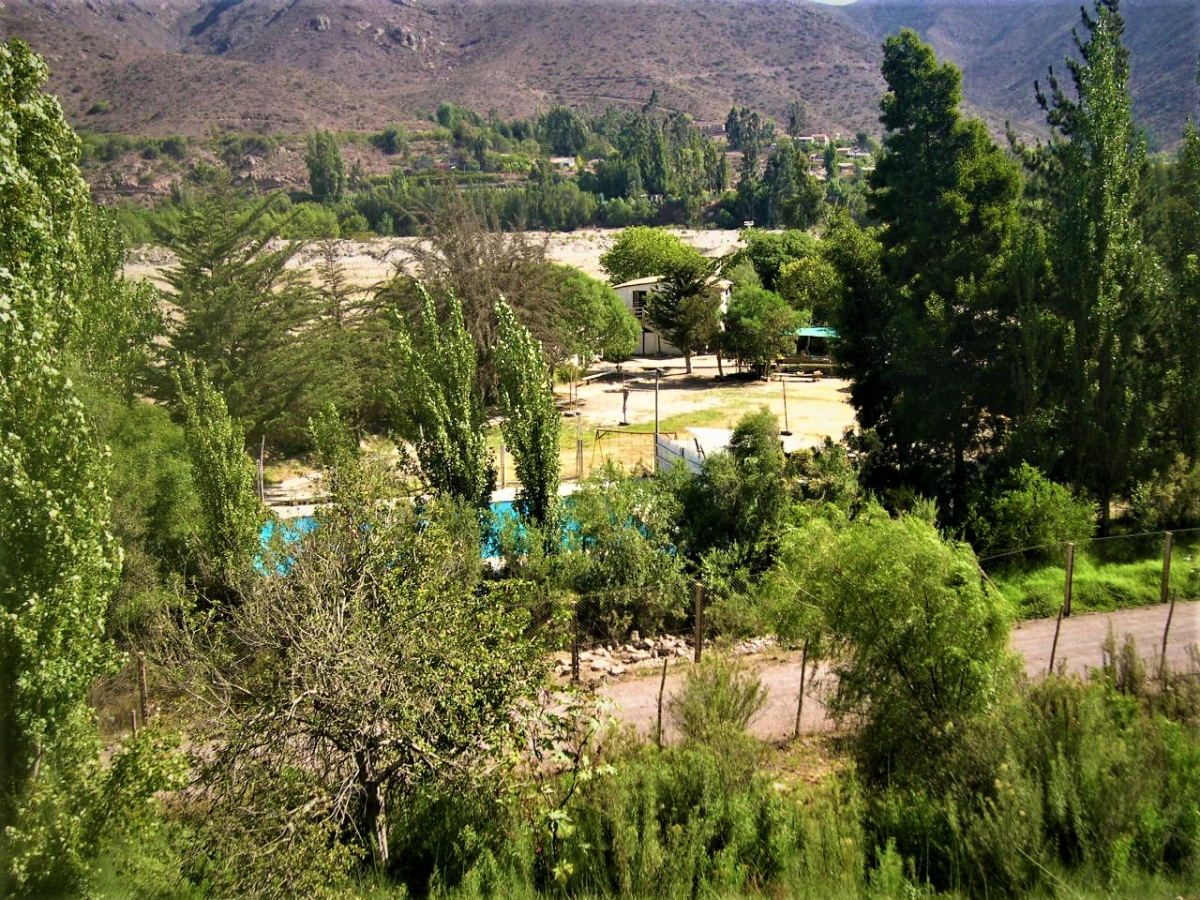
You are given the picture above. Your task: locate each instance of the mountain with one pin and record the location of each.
(1004, 46)
(158, 67)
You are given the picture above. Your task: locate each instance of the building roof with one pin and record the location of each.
(638, 282)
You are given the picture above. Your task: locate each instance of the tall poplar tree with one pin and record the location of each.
(1106, 280)
(58, 564)
(531, 421)
(437, 406)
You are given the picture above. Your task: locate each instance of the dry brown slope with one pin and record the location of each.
(309, 61)
(1003, 46)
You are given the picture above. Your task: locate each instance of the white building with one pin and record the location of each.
(635, 295)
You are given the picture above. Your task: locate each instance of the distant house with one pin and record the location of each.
(635, 295)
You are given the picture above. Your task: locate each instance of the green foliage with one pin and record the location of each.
(437, 408)
(392, 140)
(686, 307)
(918, 638)
(811, 284)
(770, 251)
(946, 196)
(242, 309)
(58, 563)
(1061, 777)
(620, 561)
(681, 822)
(593, 322)
(375, 665)
(531, 420)
(1028, 511)
(740, 497)
(1171, 499)
(1107, 284)
(326, 171)
(155, 510)
(117, 320)
(759, 327)
(641, 252)
(230, 513)
(563, 131)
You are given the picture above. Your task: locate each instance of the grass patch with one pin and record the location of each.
(1097, 586)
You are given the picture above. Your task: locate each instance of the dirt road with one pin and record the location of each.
(1080, 648)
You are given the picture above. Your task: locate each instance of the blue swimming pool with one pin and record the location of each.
(503, 515)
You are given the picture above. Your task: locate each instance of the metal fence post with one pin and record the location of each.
(699, 619)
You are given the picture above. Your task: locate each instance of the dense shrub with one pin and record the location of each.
(719, 695)
(1171, 499)
(1031, 512)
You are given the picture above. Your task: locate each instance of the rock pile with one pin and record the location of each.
(614, 660)
(607, 661)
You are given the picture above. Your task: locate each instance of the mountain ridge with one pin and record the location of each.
(189, 66)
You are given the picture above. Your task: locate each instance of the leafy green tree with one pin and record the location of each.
(686, 307)
(797, 118)
(118, 320)
(531, 420)
(231, 516)
(769, 251)
(379, 667)
(621, 561)
(594, 322)
(643, 252)
(437, 407)
(1181, 394)
(468, 256)
(759, 327)
(58, 562)
(563, 131)
(917, 636)
(1106, 280)
(348, 345)
(864, 319)
(1029, 511)
(738, 501)
(326, 171)
(812, 285)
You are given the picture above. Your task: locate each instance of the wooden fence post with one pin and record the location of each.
(662, 684)
(143, 693)
(1167, 594)
(575, 646)
(800, 699)
(699, 619)
(1070, 580)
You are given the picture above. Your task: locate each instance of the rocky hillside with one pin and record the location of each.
(149, 67)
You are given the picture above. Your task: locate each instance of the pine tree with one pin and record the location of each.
(946, 196)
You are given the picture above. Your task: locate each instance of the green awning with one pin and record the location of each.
(817, 333)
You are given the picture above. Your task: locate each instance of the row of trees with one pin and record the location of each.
(991, 319)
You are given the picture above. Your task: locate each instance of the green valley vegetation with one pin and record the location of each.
(359, 705)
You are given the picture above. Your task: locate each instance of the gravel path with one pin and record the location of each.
(1080, 647)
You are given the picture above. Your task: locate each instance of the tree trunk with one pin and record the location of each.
(687, 361)
(377, 821)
